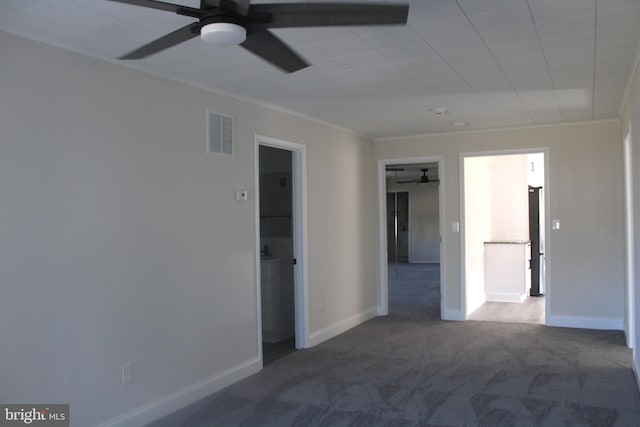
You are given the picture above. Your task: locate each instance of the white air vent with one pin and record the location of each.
(219, 133)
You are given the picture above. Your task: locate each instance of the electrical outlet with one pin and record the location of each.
(127, 373)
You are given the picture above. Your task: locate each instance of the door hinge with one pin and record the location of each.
(295, 261)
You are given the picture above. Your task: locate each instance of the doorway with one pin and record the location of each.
(411, 246)
(503, 239)
(281, 248)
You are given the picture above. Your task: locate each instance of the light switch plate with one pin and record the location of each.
(555, 224)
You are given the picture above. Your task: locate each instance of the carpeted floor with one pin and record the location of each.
(412, 369)
(414, 290)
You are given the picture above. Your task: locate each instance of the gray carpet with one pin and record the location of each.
(412, 369)
(414, 290)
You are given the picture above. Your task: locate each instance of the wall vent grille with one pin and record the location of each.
(219, 133)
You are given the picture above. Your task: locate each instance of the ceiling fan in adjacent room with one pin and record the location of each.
(424, 179)
(238, 22)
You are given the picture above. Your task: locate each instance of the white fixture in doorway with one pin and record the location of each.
(299, 191)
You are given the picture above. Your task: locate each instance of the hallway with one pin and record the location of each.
(414, 290)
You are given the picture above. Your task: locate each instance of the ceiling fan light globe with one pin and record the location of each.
(223, 34)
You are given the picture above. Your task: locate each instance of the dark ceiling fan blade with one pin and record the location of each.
(241, 7)
(288, 15)
(257, 19)
(168, 7)
(418, 181)
(267, 46)
(178, 36)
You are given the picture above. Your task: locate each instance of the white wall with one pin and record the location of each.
(478, 223)
(586, 256)
(631, 116)
(535, 169)
(509, 198)
(121, 240)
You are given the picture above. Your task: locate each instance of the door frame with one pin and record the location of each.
(630, 314)
(383, 272)
(463, 223)
(300, 237)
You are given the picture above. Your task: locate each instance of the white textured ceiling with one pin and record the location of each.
(491, 63)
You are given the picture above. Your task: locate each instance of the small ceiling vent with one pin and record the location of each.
(219, 133)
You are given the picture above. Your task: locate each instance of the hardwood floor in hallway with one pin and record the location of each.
(531, 310)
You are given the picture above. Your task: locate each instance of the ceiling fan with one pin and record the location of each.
(231, 22)
(424, 179)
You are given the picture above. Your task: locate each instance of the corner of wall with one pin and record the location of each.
(341, 326)
(634, 70)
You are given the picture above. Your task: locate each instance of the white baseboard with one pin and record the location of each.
(185, 396)
(585, 322)
(505, 297)
(340, 327)
(628, 339)
(455, 315)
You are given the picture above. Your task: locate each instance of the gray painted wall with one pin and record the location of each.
(425, 233)
(121, 240)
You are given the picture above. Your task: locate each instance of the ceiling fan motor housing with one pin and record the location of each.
(223, 30)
